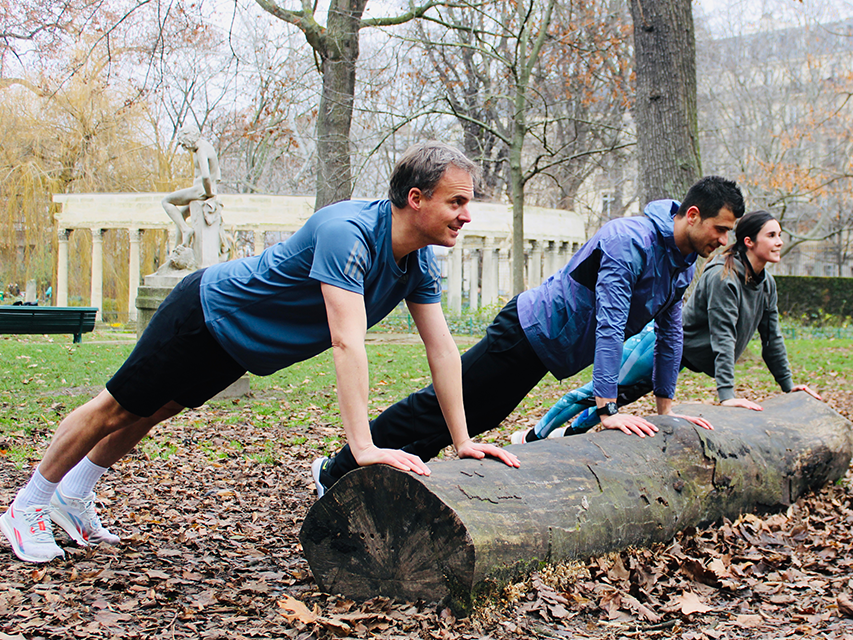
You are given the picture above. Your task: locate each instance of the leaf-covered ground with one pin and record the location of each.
(210, 515)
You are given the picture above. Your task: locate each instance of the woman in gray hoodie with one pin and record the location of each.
(735, 296)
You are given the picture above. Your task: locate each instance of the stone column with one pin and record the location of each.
(489, 288)
(96, 296)
(473, 269)
(552, 259)
(260, 241)
(534, 265)
(565, 253)
(133, 274)
(62, 269)
(454, 278)
(504, 271)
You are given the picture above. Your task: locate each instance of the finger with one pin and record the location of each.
(649, 429)
(415, 463)
(508, 458)
(646, 427)
(630, 429)
(503, 455)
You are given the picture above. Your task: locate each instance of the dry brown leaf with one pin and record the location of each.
(749, 620)
(640, 608)
(845, 605)
(689, 603)
(299, 609)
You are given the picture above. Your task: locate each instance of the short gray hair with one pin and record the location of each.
(422, 166)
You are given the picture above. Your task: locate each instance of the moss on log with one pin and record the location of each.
(383, 532)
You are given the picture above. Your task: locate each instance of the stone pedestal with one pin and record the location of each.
(206, 221)
(153, 291)
(151, 294)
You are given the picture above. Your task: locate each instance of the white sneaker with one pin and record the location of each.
(317, 472)
(558, 432)
(30, 532)
(519, 436)
(80, 519)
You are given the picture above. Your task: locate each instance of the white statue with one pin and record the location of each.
(207, 176)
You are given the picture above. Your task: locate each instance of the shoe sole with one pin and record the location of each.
(316, 467)
(65, 523)
(9, 532)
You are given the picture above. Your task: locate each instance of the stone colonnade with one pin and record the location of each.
(479, 262)
(478, 268)
(98, 213)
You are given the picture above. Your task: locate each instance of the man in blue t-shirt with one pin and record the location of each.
(350, 265)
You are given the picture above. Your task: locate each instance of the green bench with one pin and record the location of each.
(41, 320)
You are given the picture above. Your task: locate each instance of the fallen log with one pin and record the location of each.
(473, 522)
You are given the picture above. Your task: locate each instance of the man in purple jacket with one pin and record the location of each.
(632, 271)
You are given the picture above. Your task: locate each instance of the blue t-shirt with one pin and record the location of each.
(268, 312)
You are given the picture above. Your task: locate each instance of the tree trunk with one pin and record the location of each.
(444, 537)
(665, 110)
(517, 188)
(339, 54)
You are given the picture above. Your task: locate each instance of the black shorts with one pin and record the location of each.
(176, 357)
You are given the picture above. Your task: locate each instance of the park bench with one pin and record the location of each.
(41, 320)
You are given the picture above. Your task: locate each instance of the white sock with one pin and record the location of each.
(81, 480)
(36, 493)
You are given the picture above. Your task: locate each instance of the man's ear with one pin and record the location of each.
(693, 215)
(416, 196)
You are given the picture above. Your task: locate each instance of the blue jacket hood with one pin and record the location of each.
(662, 213)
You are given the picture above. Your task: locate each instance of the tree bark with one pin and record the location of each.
(473, 522)
(665, 110)
(339, 55)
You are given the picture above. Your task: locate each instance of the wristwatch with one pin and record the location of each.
(610, 409)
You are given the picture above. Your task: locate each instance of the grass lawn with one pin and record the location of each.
(45, 378)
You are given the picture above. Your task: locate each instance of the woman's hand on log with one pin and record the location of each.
(627, 423)
(742, 403)
(479, 450)
(701, 422)
(393, 458)
(803, 387)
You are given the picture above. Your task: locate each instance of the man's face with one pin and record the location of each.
(707, 235)
(441, 217)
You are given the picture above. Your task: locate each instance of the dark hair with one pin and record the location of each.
(711, 194)
(748, 227)
(422, 166)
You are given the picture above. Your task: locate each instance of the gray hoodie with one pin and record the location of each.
(720, 319)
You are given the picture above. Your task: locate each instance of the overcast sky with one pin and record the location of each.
(729, 17)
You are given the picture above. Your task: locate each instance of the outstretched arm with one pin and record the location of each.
(446, 370)
(348, 325)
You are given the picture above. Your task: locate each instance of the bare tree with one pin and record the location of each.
(336, 46)
(537, 90)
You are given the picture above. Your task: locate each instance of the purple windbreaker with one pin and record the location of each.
(629, 273)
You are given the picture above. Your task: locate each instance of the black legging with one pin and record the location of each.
(497, 373)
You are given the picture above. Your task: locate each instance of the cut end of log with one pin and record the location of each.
(402, 545)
